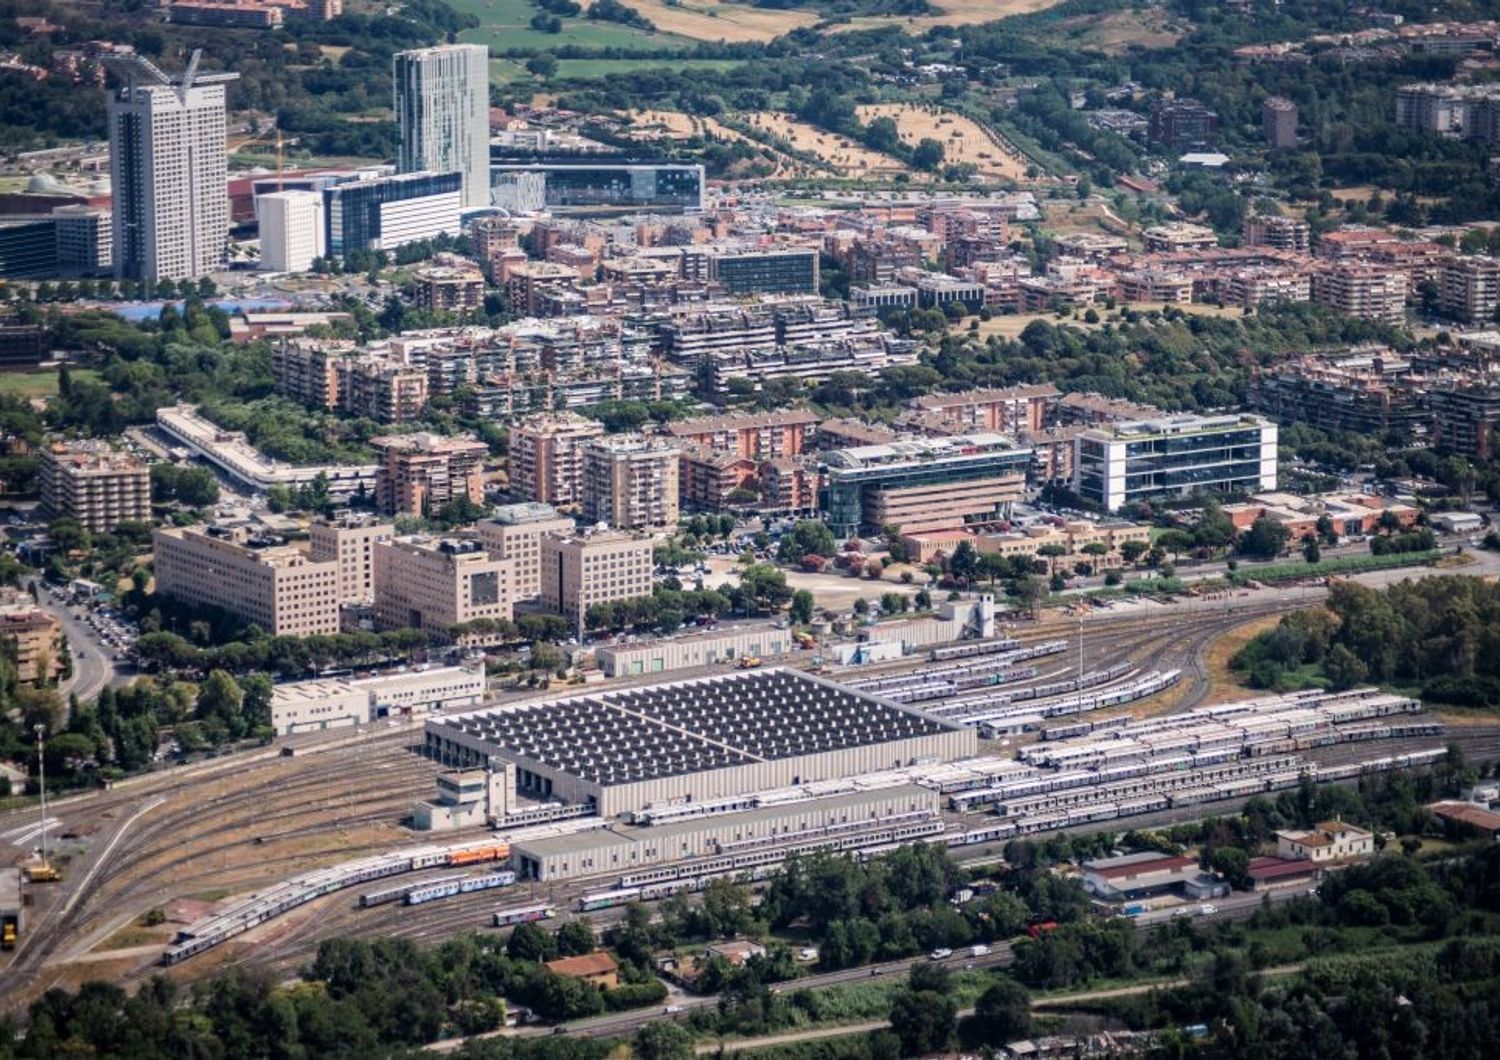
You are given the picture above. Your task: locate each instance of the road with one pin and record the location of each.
(92, 666)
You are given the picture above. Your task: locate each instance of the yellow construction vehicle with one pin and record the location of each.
(749, 662)
(41, 872)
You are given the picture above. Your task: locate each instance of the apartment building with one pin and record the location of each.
(259, 578)
(1178, 124)
(33, 636)
(449, 288)
(1278, 122)
(349, 541)
(1466, 420)
(1469, 288)
(774, 270)
(546, 457)
(437, 583)
(580, 570)
(442, 100)
(760, 436)
(308, 370)
(99, 486)
(1004, 411)
(924, 484)
(1174, 456)
(631, 482)
(1370, 394)
(1282, 233)
(527, 284)
(420, 473)
(1169, 238)
(1362, 289)
(789, 485)
(708, 478)
(1265, 284)
(515, 533)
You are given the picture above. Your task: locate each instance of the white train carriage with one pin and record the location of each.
(524, 914)
(1148, 804)
(1402, 729)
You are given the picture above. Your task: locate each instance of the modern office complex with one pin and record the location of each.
(515, 533)
(1173, 457)
(925, 484)
(580, 570)
(85, 240)
(434, 584)
(350, 542)
(169, 171)
(384, 212)
(292, 230)
(259, 578)
(578, 186)
(695, 740)
(776, 270)
(442, 97)
(99, 486)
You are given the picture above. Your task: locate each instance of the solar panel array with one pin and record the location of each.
(692, 726)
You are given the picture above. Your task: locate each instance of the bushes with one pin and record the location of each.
(635, 995)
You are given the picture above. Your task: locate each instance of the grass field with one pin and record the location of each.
(963, 140)
(849, 157)
(714, 21)
(41, 384)
(1119, 31)
(505, 24)
(955, 13)
(606, 67)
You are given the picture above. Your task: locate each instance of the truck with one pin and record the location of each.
(748, 662)
(979, 949)
(1133, 910)
(1036, 931)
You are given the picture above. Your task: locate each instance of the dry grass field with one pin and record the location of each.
(955, 13)
(963, 140)
(713, 21)
(1118, 31)
(849, 157)
(674, 125)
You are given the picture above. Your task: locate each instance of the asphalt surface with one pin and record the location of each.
(92, 666)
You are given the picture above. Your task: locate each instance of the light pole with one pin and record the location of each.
(41, 773)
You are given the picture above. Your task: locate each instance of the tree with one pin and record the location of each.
(1233, 864)
(1001, 1015)
(530, 942)
(928, 155)
(1265, 539)
(964, 563)
(663, 1040)
(1311, 550)
(543, 66)
(575, 938)
(1131, 551)
(807, 537)
(764, 587)
(923, 1020)
(220, 700)
(801, 610)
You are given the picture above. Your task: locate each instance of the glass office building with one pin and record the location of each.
(924, 484)
(1174, 457)
(384, 212)
(791, 270)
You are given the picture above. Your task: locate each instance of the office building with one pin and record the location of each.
(1174, 456)
(442, 100)
(85, 240)
(1469, 288)
(258, 578)
(776, 270)
(99, 486)
(924, 484)
(168, 170)
(515, 533)
(546, 457)
(436, 584)
(373, 212)
(631, 482)
(419, 474)
(1278, 122)
(1179, 124)
(292, 230)
(226, 15)
(578, 186)
(596, 567)
(24, 345)
(349, 541)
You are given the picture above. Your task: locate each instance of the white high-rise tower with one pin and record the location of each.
(169, 166)
(443, 114)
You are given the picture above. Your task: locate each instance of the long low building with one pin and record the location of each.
(659, 656)
(695, 739)
(601, 851)
(232, 453)
(331, 703)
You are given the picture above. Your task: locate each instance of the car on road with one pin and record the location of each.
(877, 971)
(940, 954)
(1208, 910)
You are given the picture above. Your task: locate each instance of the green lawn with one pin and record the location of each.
(39, 384)
(606, 67)
(506, 24)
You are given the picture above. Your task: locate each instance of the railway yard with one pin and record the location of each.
(257, 857)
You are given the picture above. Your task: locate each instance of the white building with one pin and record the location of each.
(331, 703)
(1326, 841)
(169, 171)
(85, 240)
(1174, 456)
(442, 111)
(291, 230)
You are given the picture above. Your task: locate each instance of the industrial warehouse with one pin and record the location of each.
(695, 740)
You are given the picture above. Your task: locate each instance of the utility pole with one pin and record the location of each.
(41, 773)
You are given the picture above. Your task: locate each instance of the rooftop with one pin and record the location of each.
(1469, 814)
(690, 726)
(921, 451)
(1271, 868)
(596, 963)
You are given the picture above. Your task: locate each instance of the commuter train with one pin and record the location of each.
(524, 914)
(284, 897)
(464, 885)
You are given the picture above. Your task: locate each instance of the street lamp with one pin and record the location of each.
(41, 772)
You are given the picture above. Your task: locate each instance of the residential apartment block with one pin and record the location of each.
(420, 473)
(1466, 420)
(434, 584)
(1469, 288)
(515, 534)
(1363, 289)
(631, 482)
(35, 637)
(546, 457)
(761, 436)
(1003, 411)
(99, 486)
(259, 578)
(581, 570)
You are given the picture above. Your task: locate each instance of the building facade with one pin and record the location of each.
(436, 584)
(420, 473)
(1174, 457)
(350, 543)
(1278, 121)
(546, 457)
(631, 482)
(292, 232)
(580, 570)
(260, 579)
(576, 186)
(442, 100)
(516, 533)
(386, 212)
(99, 486)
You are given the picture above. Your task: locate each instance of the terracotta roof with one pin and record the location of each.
(1276, 868)
(1140, 868)
(1469, 814)
(596, 963)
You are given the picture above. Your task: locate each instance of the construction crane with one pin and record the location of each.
(282, 142)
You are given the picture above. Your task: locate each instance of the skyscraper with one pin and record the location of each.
(169, 167)
(442, 111)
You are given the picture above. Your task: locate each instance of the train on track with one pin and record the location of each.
(524, 914)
